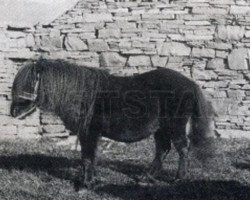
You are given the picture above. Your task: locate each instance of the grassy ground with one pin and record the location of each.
(42, 171)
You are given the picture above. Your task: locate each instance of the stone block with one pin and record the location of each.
(174, 49)
(33, 119)
(85, 36)
(193, 37)
(56, 135)
(109, 33)
(209, 10)
(139, 61)
(204, 74)
(84, 27)
(4, 107)
(203, 52)
(79, 30)
(221, 54)
(176, 37)
(4, 42)
(75, 44)
(219, 45)
(132, 51)
(30, 41)
(238, 59)
(21, 43)
(122, 24)
(230, 32)
(235, 94)
(240, 10)
(96, 17)
(219, 95)
(112, 59)
(153, 16)
(53, 128)
(230, 134)
(6, 120)
(16, 34)
(8, 130)
(22, 54)
(197, 23)
(26, 132)
(51, 43)
(246, 87)
(222, 106)
(98, 45)
(216, 63)
(149, 46)
(159, 61)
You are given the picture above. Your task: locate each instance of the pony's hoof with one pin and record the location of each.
(79, 186)
(83, 191)
(146, 180)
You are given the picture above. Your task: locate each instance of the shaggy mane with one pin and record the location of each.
(65, 88)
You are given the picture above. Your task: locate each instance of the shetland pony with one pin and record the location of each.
(92, 103)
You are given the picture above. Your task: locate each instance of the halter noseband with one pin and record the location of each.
(31, 96)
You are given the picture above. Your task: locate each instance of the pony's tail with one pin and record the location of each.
(202, 134)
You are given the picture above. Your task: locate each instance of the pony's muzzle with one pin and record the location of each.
(13, 112)
(20, 112)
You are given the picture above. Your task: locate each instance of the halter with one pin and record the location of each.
(31, 96)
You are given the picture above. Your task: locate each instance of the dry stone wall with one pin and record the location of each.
(206, 40)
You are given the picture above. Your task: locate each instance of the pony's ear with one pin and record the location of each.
(39, 64)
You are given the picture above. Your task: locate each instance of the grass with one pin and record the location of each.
(41, 170)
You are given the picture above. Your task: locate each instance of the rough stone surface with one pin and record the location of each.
(203, 52)
(96, 17)
(54, 128)
(207, 41)
(174, 48)
(216, 64)
(139, 61)
(75, 44)
(109, 33)
(112, 59)
(239, 59)
(98, 45)
(48, 43)
(231, 32)
(159, 61)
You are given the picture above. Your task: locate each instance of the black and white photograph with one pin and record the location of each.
(125, 99)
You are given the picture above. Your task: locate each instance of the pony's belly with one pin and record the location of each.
(129, 133)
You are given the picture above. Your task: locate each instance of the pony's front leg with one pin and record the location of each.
(88, 152)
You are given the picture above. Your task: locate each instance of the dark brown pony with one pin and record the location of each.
(92, 103)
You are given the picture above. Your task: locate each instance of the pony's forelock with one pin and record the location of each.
(23, 79)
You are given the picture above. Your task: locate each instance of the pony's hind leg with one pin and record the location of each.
(180, 141)
(162, 148)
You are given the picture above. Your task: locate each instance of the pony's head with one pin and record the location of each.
(58, 86)
(25, 91)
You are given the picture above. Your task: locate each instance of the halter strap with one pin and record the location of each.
(31, 96)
